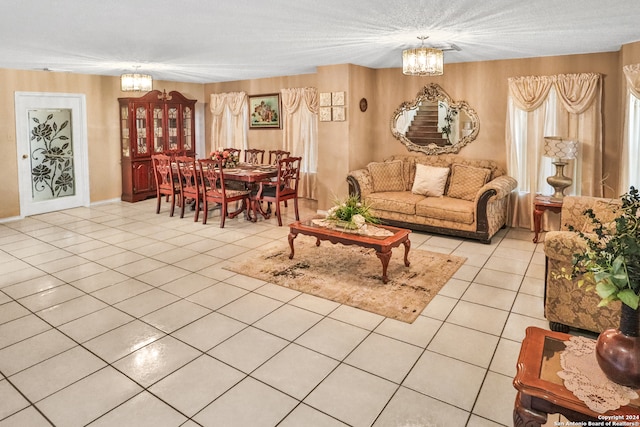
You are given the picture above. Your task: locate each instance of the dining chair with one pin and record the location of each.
(189, 184)
(167, 183)
(254, 156)
(284, 188)
(275, 155)
(214, 190)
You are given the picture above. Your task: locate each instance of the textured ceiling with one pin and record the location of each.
(223, 40)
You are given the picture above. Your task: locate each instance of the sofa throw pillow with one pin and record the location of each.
(430, 180)
(466, 181)
(386, 176)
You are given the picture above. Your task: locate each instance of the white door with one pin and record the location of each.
(53, 166)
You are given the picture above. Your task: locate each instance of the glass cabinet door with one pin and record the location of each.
(187, 120)
(158, 137)
(141, 130)
(172, 127)
(124, 127)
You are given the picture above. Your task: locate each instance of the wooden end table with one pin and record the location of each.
(541, 391)
(541, 204)
(382, 245)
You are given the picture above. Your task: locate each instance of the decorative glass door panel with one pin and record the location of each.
(187, 117)
(51, 153)
(158, 137)
(172, 126)
(141, 130)
(124, 126)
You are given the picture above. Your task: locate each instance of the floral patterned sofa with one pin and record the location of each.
(470, 200)
(565, 304)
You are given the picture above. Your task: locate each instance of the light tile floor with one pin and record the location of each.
(115, 316)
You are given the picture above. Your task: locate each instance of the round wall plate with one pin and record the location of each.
(363, 104)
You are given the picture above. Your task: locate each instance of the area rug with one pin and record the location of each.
(353, 276)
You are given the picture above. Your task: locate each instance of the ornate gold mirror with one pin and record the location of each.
(435, 124)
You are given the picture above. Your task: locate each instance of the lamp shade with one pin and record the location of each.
(422, 61)
(136, 82)
(558, 147)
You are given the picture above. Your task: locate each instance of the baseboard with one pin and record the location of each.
(105, 202)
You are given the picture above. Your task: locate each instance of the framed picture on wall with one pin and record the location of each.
(264, 111)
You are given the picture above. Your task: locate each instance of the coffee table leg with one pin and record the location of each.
(384, 257)
(407, 246)
(291, 237)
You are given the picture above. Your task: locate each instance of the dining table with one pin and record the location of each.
(251, 175)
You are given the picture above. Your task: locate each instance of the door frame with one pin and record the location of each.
(25, 101)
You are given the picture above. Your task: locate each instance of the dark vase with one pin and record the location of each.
(618, 350)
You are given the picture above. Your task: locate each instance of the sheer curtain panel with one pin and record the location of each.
(630, 153)
(300, 134)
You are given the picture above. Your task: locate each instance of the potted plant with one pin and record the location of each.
(351, 214)
(610, 266)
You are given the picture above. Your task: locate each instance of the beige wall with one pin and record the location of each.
(102, 93)
(344, 146)
(265, 139)
(484, 86)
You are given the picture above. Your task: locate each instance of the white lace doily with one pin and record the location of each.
(365, 230)
(584, 378)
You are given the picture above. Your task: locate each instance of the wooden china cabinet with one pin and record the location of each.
(153, 123)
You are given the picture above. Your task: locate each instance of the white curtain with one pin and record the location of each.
(300, 134)
(229, 126)
(567, 105)
(630, 153)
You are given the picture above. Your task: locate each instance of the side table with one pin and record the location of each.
(541, 204)
(541, 391)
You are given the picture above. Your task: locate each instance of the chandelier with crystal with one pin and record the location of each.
(422, 61)
(136, 82)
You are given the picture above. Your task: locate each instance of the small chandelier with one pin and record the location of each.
(135, 82)
(422, 61)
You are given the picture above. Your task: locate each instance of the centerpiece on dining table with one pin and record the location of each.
(228, 159)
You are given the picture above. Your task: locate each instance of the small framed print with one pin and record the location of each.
(325, 99)
(325, 114)
(338, 114)
(264, 111)
(337, 98)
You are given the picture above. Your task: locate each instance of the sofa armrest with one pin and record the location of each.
(360, 183)
(502, 186)
(562, 245)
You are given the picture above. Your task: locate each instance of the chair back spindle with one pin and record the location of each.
(254, 156)
(276, 155)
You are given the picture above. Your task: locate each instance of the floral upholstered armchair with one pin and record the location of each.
(566, 304)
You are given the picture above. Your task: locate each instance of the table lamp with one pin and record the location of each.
(560, 150)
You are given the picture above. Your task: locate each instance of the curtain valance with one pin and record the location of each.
(576, 91)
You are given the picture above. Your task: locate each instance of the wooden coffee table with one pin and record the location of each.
(382, 245)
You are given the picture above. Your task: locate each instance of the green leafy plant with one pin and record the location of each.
(448, 118)
(352, 213)
(611, 263)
